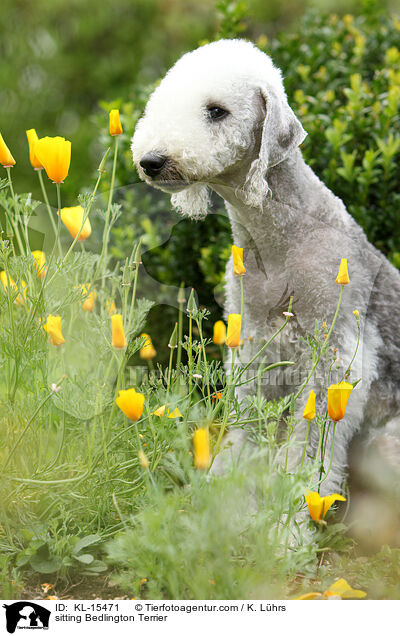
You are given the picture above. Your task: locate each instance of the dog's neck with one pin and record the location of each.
(277, 213)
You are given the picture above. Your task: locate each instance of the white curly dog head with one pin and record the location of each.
(219, 117)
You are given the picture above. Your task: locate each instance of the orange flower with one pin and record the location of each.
(115, 123)
(309, 409)
(216, 396)
(6, 158)
(118, 333)
(39, 259)
(339, 589)
(72, 219)
(237, 255)
(318, 506)
(131, 403)
(54, 153)
(88, 303)
(162, 410)
(111, 307)
(53, 328)
(233, 335)
(343, 275)
(338, 396)
(219, 333)
(20, 299)
(201, 445)
(147, 352)
(32, 139)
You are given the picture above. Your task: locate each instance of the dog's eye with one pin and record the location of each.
(216, 112)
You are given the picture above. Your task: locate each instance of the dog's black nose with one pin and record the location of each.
(152, 164)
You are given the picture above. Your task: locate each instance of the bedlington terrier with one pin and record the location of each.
(220, 119)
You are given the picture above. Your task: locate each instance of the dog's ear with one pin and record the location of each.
(281, 134)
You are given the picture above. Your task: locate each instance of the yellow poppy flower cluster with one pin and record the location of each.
(340, 589)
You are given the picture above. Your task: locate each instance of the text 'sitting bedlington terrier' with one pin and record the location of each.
(220, 119)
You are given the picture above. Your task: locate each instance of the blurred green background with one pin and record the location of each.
(64, 65)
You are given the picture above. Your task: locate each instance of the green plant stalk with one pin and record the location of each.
(171, 355)
(104, 249)
(13, 332)
(241, 296)
(331, 459)
(230, 386)
(323, 348)
(133, 299)
(58, 229)
(265, 345)
(180, 332)
(347, 372)
(14, 448)
(203, 349)
(305, 445)
(46, 199)
(14, 224)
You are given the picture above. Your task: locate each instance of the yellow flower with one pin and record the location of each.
(118, 333)
(338, 396)
(340, 589)
(219, 334)
(147, 352)
(309, 410)
(39, 259)
(233, 335)
(32, 139)
(131, 403)
(20, 299)
(6, 158)
(88, 303)
(237, 255)
(144, 462)
(343, 275)
(53, 328)
(54, 153)
(171, 414)
(72, 219)
(344, 590)
(356, 313)
(201, 445)
(318, 506)
(115, 123)
(111, 307)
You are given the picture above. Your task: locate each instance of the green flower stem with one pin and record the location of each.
(46, 199)
(241, 296)
(29, 423)
(14, 223)
(323, 348)
(133, 299)
(180, 331)
(104, 249)
(171, 355)
(206, 378)
(331, 459)
(347, 372)
(305, 445)
(230, 386)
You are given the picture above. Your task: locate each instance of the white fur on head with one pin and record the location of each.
(233, 74)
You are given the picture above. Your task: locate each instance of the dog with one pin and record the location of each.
(220, 120)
